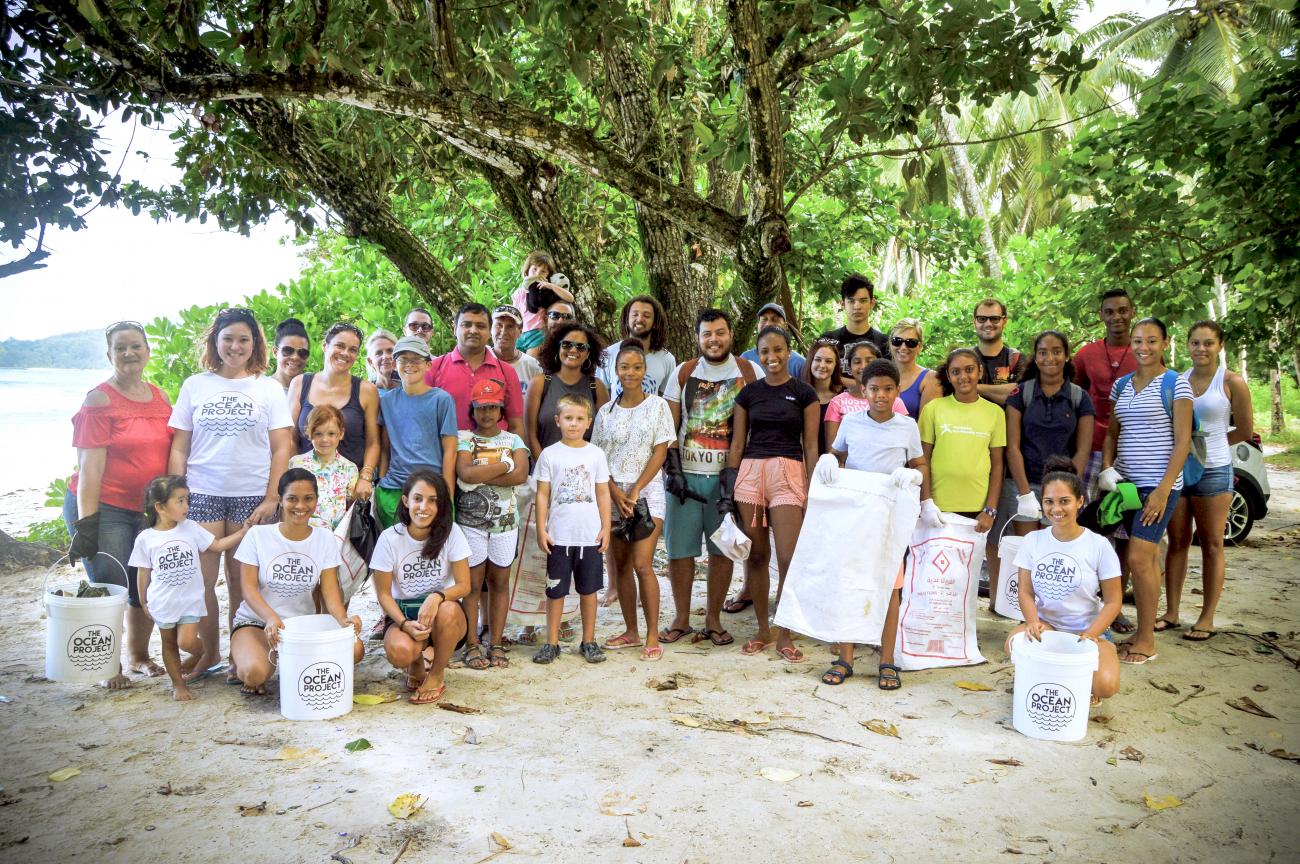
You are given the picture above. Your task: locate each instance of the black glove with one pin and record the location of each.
(674, 479)
(727, 494)
(85, 538)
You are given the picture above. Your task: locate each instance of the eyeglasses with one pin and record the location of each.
(289, 351)
(123, 325)
(419, 327)
(580, 347)
(560, 316)
(899, 342)
(989, 319)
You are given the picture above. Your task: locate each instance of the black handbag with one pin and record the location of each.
(638, 526)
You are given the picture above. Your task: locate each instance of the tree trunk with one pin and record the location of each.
(1277, 420)
(1241, 359)
(972, 202)
(16, 555)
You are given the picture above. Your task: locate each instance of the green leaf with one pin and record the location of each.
(357, 745)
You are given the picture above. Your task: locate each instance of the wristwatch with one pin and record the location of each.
(993, 514)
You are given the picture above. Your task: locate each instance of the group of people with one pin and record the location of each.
(615, 444)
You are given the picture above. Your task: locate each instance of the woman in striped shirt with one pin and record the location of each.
(1146, 444)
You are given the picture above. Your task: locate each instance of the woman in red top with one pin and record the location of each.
(122, 442)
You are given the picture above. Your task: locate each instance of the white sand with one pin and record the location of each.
(554, 741)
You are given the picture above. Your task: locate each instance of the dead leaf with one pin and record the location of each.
(296, 754)
(804, 804)
(685, 720)
(406, 805)
(252, 809)
(777, 775)
(902, 777)
(1259, 688)
(629, 841)
(64, 774)
(1014, 763)
(1250, 706)
(1187, 721)
(881, 727)
(1277, 753)
(1168, 688)
(501, 841)
(1012, 850)
(374, 698)
(974, 686)
(1132, 754)
(459, 709)
(619, 803)
(1161, 802)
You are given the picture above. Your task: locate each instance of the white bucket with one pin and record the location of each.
(315, 659)
(83, 636)
(1007, 601)
(1053, 685)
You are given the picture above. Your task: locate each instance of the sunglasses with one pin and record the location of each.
(988, 319)
(580, 347)
(289, 351)
(560, 316)
(899, 342)
(123, 325)
(418, 327)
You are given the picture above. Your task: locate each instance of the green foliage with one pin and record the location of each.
(51, 532)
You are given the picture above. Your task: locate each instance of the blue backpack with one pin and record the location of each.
(1194, 467)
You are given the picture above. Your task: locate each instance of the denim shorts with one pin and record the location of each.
(220, 508)
(185, 619)
(1153, 532)
(1215, 481)
(117, 531)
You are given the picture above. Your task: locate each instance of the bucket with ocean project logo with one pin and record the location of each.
(83, 639)
(315, 659)
(1053, 685)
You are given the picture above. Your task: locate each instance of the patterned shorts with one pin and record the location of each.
(499, 547)
(219, 508)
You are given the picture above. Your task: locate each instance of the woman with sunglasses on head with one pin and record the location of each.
(292, 348)
(122, 442)
(356, 399)
(234, 437)
(918, 384)
(569, 357)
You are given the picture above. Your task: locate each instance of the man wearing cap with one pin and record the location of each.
(773, 315)
(472, 361)
(559, 313)
(507, 325)
(642, 318)
(417, 425)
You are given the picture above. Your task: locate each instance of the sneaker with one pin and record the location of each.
(591, 652)
(548, 652)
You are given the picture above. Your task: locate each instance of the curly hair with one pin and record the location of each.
(549, 354)
(658, 335)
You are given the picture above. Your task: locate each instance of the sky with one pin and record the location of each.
(130, 267)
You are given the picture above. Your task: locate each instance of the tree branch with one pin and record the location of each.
(31, 261)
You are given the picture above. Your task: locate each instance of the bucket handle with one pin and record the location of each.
(45, 583)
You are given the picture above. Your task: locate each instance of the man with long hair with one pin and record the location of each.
(643, 319)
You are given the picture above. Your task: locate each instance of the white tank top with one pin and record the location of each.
(1214, 411)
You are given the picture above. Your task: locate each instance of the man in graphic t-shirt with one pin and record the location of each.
(857, 299)
(701, 394)
(1002, 363)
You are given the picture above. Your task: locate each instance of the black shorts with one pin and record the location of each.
(583, 565)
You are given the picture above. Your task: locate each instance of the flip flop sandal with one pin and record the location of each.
(653, 654)
(615, 643)
(412, 684)
(1123, 625)
(427, 697)
(792, 655)
(1163, 624)
(476, 659)
(674, 634)
(1146, 658)
(838, 673)
(1208, 635)
(887, 681)
(716, 637)
(736, 605)
(250, 692)
(753, 646)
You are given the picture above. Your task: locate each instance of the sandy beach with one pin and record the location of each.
(664, 762)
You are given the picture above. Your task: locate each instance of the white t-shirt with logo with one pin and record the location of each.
(573, 472)
(287, 570)
(175, 581)
(230, 421)
(1067, 576)
(414, 576)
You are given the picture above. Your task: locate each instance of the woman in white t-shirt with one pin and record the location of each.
(282, 565)
(421, 568)
(1061, 570)
(635, 432)
(233, 440)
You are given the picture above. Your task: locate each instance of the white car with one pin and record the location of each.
(1249, 490)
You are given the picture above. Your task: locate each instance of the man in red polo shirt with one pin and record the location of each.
(1098, 364)
(472, 360)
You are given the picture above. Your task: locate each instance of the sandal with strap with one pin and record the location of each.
(475, 658)
(889, 677)
(497, 656)
(838, 673)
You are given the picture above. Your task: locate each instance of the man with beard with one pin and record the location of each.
(701, 394)
(471, 361)
(1002, 363)
(643, 318)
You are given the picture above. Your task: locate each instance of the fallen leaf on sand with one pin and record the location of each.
(629, 841)
(252, 809)
(902, 777)
(1161, 802)
(1132, 754)
(881, 727)
(1014, 763)
(374, 698)
(685, 720)
(1112, 761)
(804, 804)
(459, 709)
(1276, 753)
(619, 803)
(501, 841)
(357, 745)
(294, 754)
(1187, 721)
(64, 774)
(1168, 688)
(974, 686)
(406, 805)
(777, 775)
(1250, 706)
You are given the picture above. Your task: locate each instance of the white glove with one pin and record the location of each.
(532, 483)
(508, 461)
(1027, 507)
(930, 515)
(1109, 479)
(905, 477)
(825, 469)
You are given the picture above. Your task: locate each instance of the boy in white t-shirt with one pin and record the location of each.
(1061, 570)
(572, 524)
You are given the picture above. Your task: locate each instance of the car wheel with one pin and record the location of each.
(1240, 521)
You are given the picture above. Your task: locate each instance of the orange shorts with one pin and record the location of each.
(773, 482)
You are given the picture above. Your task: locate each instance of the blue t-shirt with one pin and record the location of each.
(1047, 428)
(416, 426)
(795, 364)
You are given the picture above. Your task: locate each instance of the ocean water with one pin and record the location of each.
(36, 433)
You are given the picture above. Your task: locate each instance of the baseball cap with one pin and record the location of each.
(508, 311)
(413, 345)
(487, 391)
(774, 307)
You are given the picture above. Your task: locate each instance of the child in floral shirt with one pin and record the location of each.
(336, 476)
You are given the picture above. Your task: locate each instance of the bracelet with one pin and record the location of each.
(993, 514)
(441, 595)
